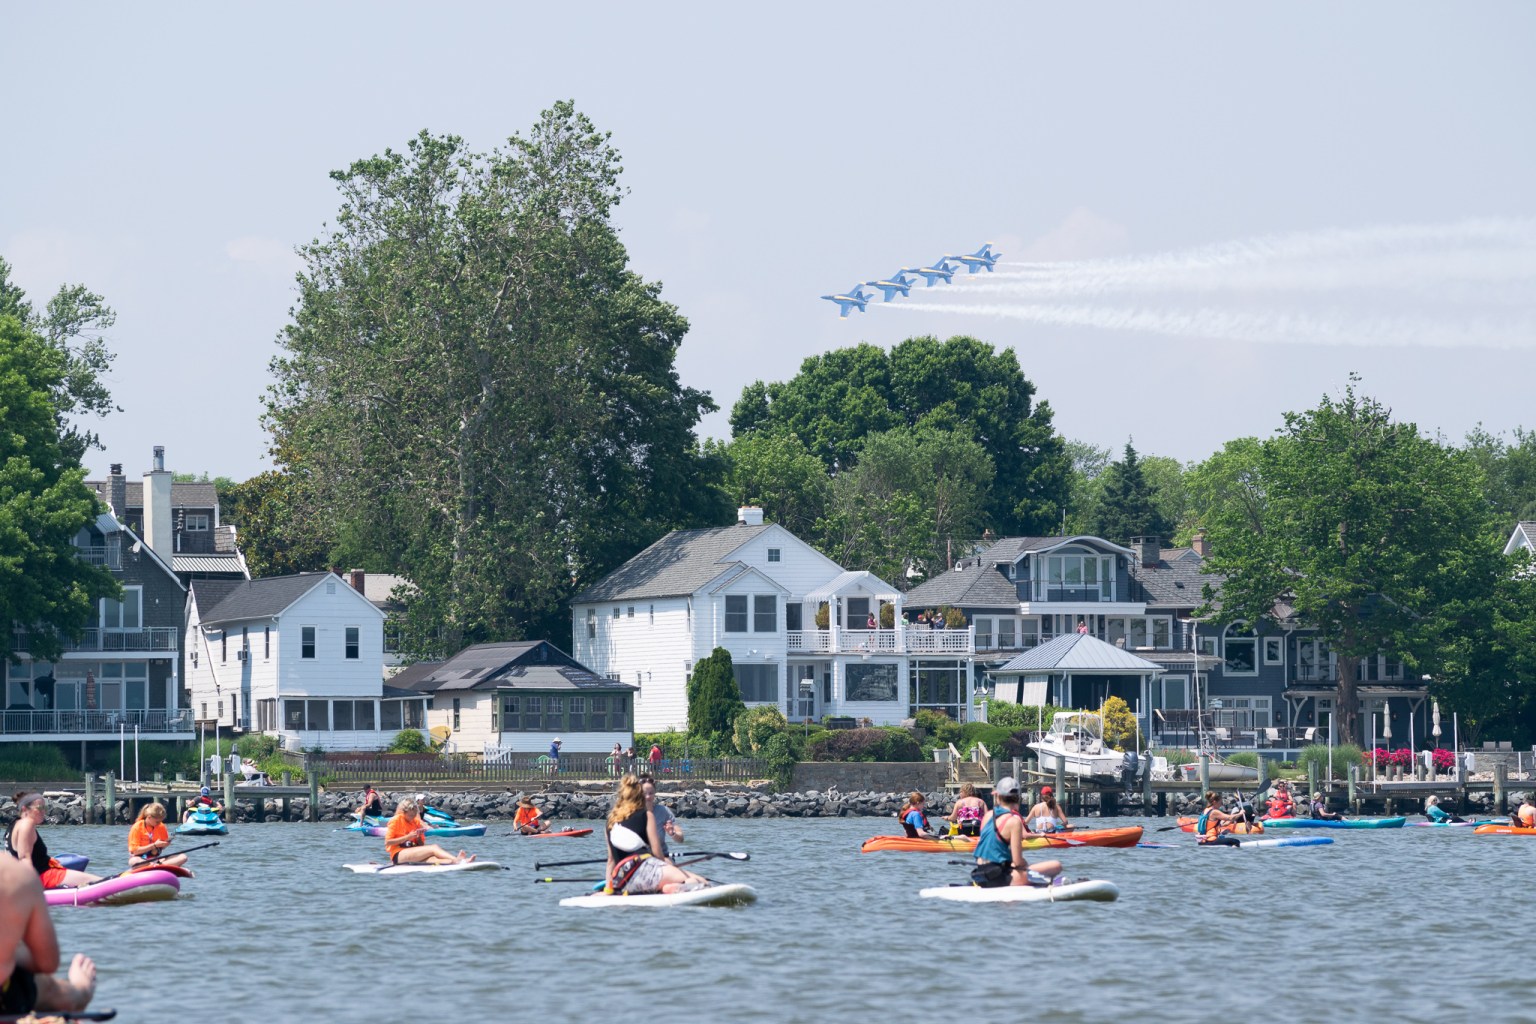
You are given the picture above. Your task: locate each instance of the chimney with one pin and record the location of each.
(1200, 545)
(749, 515)
(1149, 549)
(357, 579)
(157, 506)
(117, 491)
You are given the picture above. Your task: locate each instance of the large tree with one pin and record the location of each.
(961, 385)
(474, 377)
(1509, 468)
(778, 474)
(1127, 505)
(1379, 537)
(46, 588)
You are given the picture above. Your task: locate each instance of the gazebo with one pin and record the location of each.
(1076, 671)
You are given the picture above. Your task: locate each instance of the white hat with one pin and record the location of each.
(421, 797)
(1006, 786)
(557, 739)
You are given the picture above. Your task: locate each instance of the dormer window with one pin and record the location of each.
(197, 523)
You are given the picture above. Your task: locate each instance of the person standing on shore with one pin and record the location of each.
(29, 951)
(554, 752)
(25, 843)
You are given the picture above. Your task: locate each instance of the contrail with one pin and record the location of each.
(1261, 326)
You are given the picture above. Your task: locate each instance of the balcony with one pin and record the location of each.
(108, 555)
(1072, 592)
(98, 641)
(29, 724)
(882, 641)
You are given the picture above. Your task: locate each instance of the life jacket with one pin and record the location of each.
(913, 832)
(1279, 806)
(1206, 827)
(623, 871)
(1242, 828)
(1526, 817)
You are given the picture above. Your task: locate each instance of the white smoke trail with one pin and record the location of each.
(1263, 326)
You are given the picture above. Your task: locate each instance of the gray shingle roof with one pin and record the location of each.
(1079, 652)
(677, 564)
(1175, 582)
(973, 583)
(186, 495)
(251, 599)
(529, 664)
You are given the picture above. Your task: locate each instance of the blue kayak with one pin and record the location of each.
(377, 831)
(1270, 823)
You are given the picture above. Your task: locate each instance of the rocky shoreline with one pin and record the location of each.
(69, 809)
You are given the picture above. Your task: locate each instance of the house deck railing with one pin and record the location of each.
(68, 723)
(533, 768)
(915, 640)
(94, 640)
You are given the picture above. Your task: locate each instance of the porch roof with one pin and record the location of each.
(1079, 652)
(844, 582)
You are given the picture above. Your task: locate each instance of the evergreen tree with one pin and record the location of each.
(714, 698)
(1127, 506)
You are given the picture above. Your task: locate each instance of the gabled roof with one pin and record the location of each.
(257, 599)
(1079, 652)
(854, 579)
(1175, 581)
(972, 583)
(1011, 549)
(678, 564)
(107, 523)
(1523, 537)
(521, 665)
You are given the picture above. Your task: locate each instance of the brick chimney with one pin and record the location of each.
(1148, 549)
(1199, 544)
(357, 579)
(157, 506)
(117, 491)
(749, 515)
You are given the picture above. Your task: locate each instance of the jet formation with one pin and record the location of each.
(899, 283)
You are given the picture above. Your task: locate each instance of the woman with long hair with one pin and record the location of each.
(636, 861)
(23, 842)
(148, 838)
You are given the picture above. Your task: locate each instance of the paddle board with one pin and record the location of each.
(136, 887)
(1269, 844)
(416, 869)
(456, 831)
(711, 896)
(1327, 823)
(1095, 889)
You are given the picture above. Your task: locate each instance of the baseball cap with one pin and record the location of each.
(1046, 791)
(1006, 786)
(204, 791)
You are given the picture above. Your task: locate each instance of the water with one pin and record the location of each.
(1414, 924)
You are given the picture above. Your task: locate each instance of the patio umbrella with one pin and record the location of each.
(1386, 722)
(1435, 718)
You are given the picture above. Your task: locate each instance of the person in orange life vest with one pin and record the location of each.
(405, 840)
(148, 838)
(1525, 817)
(1244, 823)
(529, 820)
(1047, 815)
(25, 843)
(1280, 803)
(913, 821)
(1208, 827)
(1000, 850)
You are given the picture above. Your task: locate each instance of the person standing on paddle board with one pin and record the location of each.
(29, 951)
(148, 838)
(1208, 828)
(636, 863)
(405, 840)
(1047, 815)
(1000, 850)
(25, 843)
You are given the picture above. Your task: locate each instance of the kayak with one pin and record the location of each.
(1095, 889)
(1113, 837)
(1397, 822)
(1503, 830)
(373, 868)
(569, 832)
(377, 831)
(1187, 824)
(1269, 844)
(709, 896)
(1450, 824)
(134, 887)
(203, 823)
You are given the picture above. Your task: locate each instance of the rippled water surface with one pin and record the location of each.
(1411, 924)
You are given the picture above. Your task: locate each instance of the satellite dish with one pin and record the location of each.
(440, 733)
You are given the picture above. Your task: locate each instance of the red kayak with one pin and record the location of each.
(571, 832)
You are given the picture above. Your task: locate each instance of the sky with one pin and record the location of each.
(1208, 213)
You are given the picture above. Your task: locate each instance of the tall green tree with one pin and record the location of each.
(1379, 537)
(473, 373)
(1127, 506)
(1509, 471)
(777, 473)
(962, 385)
(714, 697)
(45, 587)
(280, 526)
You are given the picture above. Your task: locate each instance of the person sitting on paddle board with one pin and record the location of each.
(29, 951)
(913, 821)
(1320, 809)
(1525, 817)
(1047, 815)
(1209, 827)
(666, 821)
(373, 804)
(1000, 850)
(968, 811)
(25, 843)
(636, 863)
(405, 840)
(1280, 804)
(202, 802)
(148, 838)
(529, 820)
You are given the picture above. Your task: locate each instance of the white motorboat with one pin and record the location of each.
(1076, 741)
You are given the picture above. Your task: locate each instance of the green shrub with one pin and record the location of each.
(1176, 756)
(1246, 758)
(1344, 755)
(258, 746)
(882, 744)
(676, 744)
(1120, 727)
(780, 753)
(755, 726)
(35, 762)
(714, 698)
(1014, 717)
(993, 736)
(941, 729)
(409, 741)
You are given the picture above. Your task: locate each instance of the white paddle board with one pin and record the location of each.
(711, 896)
(1084, 889)
(411, 869)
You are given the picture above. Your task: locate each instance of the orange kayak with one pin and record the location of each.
(1187, 824)
(1121, 837)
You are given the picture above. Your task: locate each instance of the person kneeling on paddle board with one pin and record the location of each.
(405, 840)
(373, 804)
(1047, 815)
(1209, 827)
(1000, 850)
(529, 820)
(636, 863)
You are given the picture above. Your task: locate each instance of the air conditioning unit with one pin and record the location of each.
(242, 654)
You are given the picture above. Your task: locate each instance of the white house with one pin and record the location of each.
(760, 592)
(299, 657)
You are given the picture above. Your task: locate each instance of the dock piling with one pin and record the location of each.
(110, 815)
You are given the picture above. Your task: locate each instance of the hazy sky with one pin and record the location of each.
(172, 156)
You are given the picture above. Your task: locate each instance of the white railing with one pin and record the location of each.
(150, 638)
(882, 641)
(69, 723)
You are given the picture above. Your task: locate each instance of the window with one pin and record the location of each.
(872, 682)
(124, 614)
(1074, 577)
(307, 642)
(792, 613)
(758, 682)
(390, 719)
(554, 714)
(1005, 633)
(858, 613)
(511, 713)
(330, 587)
(353, 642)
(735, 613)
(204, 714)
(631, 612)
(318, 714)
(1274, 650)
(245, 643)
(197, 523)
(266, 715)
(774, 554)
(1206, 645)
(983, 633)
(293, 714)
(194, 659)
(455, 714)
(341, 714)
(1241, 651)
(363, 718)
(653, 615)
(533, 713)
(616, 611)
(266, 642)
(223, 646)
(591, 623)
(765, 613)
(413, 714)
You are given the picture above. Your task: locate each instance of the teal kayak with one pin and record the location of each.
(457, 830)
(1270, 823)
(203, 823)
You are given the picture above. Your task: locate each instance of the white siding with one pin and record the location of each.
(330, 673)
(475, 731)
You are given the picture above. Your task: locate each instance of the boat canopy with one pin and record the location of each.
(1078, 723)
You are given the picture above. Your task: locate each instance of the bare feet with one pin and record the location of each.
(470, 859)
(81, 985)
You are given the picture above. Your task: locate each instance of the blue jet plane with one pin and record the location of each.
(941, 269)
(981, 258)
(846, 303)
(898, 282)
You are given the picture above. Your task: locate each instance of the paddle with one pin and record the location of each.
(693, 859)
(151, 860)
(60, 1014)
(537, 880)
